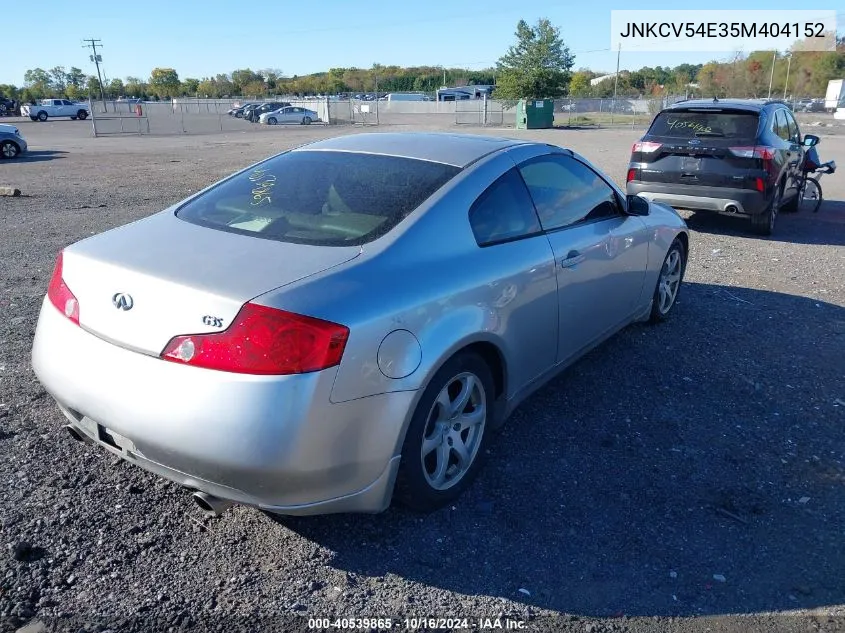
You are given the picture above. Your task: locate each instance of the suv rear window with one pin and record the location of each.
(691, 124)
(319, 197)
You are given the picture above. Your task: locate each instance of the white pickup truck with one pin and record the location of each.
(47, 108)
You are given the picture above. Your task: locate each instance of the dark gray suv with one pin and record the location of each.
(734, 156)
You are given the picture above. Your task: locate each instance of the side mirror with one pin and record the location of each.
(811, 140)
(637, 205)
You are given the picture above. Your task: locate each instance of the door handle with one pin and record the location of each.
(573, 258)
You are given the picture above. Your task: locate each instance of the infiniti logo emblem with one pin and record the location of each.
(122, 301)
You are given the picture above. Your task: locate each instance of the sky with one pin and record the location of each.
(202, 38)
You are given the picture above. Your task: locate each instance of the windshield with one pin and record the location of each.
(320, 198)
(713, 123)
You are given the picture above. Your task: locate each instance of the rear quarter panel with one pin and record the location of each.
(431, 279)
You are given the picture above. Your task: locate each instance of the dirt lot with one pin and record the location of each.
(675, 479)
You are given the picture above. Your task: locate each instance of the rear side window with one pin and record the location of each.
(504, 212)
(693, 124)
(319, 198)
(781, 127)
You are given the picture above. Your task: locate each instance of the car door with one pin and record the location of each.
(289, 115)
(522, 292)
(600, 252)
(785, 157)
(796, 150)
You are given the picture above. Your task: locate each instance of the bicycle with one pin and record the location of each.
(809, 190)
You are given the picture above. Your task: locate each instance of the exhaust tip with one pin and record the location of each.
(210, 505)
(731, 208)
(74, 433)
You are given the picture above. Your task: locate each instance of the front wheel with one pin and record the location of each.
(447, 435)
(668, 282)
(810, 196)
(306, 120)
(42, 116)
(271, 121)
(82, 114)
(9, 149)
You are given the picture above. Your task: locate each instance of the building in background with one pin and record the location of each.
(462, 93)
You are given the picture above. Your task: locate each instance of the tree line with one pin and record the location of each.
(538, 65)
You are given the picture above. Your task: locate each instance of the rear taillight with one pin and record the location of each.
(759, 185)
(263, 340)
(764, 153)
(646, 147)
(632, 175)
(60, 295)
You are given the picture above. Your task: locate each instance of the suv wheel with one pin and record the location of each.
(764, 223)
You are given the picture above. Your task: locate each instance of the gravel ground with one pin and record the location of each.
(684, 477)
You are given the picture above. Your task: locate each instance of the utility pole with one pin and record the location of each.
(772, 75)
(615, 82)
(92, 44)
(786, 83)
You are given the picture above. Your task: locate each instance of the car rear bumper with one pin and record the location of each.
(277, 443)
(700, 198)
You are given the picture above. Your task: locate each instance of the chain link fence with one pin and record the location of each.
(208, 116)
(182, 116)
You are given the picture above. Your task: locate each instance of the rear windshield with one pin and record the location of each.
(690, 124)
(320, 198)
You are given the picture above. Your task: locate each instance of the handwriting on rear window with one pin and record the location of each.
(695, 126)
(264, 183)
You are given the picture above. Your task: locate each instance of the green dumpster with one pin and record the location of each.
(535, 114)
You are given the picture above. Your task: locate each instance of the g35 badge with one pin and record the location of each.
(212, 321)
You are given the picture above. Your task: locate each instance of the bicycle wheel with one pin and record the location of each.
(811, 195)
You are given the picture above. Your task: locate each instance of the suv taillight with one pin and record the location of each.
(265, 341)
(752, 151)
(646, 147)
(60, 295)
(765, 154)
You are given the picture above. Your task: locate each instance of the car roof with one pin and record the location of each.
(458, 150)
(752, 105)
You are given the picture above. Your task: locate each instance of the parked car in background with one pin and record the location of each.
(238, 112)
(255, 113)
(290, 114)
(328, 350)
(740, 157)
(8, 107)
(47, 108)
(12, 143)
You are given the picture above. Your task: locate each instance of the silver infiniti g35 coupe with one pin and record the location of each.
(349, 319)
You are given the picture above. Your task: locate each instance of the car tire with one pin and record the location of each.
(271, 121)
(669, 282)
(8, 149)
(764, 223)
(41, 116)
(792, 205)
(82, 115)
(432, 471)
(306, 120)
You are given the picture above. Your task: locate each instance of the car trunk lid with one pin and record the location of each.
(140, 285)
